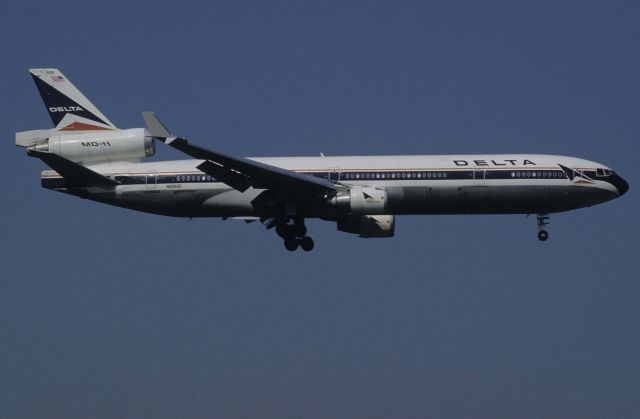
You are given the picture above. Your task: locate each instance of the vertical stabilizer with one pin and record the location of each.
(68, 108)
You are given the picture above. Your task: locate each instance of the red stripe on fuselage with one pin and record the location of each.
(81, 126)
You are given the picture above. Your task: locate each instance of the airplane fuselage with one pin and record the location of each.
(455, 184)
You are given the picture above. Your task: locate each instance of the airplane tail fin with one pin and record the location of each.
(68, 108)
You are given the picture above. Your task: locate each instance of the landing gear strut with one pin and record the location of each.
(294, 233)
(543, 221)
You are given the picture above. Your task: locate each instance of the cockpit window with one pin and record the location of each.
(603, 172)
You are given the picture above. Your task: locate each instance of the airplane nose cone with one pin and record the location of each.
(621, 185)
(624, 187)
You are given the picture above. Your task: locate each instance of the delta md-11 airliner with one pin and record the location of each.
(92, 158)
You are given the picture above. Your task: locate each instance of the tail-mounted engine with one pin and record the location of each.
(368, 225)
(98, 147)
(361, 200)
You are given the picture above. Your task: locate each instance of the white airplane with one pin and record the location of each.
(93, 159)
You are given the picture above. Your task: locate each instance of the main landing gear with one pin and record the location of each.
(294, 235)
(543, 221)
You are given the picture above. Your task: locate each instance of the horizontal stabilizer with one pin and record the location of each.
(33, 137)
(73, 173)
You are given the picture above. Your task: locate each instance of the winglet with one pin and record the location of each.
(155, 127)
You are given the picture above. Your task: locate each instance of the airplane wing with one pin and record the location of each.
(238, 172)
(241, 173)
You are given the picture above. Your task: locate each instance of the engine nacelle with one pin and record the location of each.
(368, 225)
(101, 147)
(361, 200)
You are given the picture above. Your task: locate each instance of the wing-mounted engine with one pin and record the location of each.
(361, 200)
(94, 147)
(368, 226)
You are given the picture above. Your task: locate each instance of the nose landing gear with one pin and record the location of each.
(543, 221)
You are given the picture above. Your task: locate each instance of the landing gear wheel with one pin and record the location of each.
(291, 244)
(307, 243)
(299, 230)
(282, 230)
(543, 235)
(543, 221)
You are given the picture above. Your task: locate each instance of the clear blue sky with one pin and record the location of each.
(105, 312)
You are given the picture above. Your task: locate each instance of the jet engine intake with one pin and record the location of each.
(361, 200)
